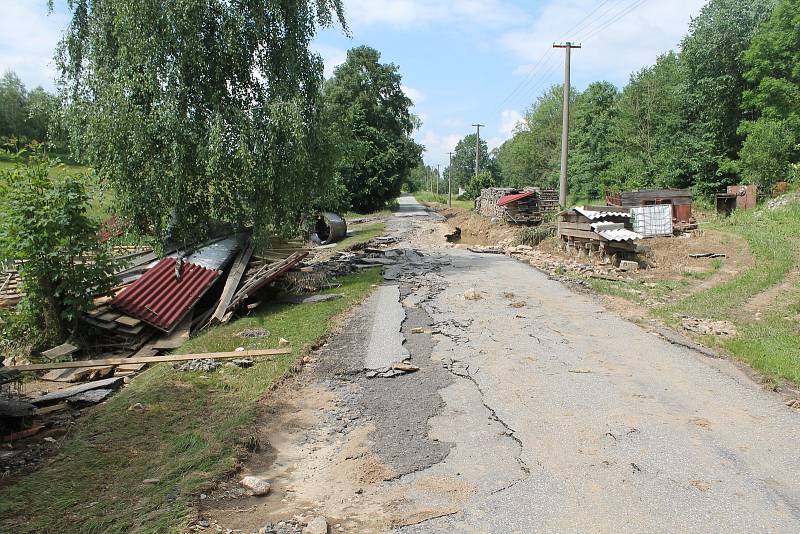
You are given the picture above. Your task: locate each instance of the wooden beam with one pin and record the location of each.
(60, 351)
(232, 283)
(151, 359)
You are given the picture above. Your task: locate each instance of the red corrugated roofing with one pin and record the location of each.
(159, 298)
(508, 199)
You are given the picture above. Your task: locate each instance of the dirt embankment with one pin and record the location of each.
(478, 230)
(665, 258)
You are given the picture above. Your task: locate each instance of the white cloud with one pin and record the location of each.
(415, 95)
(28, 38)
(437, 146)
(332, 57)
(508, 121)
(410, 14)
(615, 41)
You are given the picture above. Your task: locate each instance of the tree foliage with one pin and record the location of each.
(722, 110)
(533, 155)
(590, 145)
(44, 227)
(771, 147)
(372, 125)
(647, 134)
(482, 180)
(463, 163)
(199, 110)
(25, 116)
(711, 57)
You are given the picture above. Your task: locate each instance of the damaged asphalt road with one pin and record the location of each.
(534, 409)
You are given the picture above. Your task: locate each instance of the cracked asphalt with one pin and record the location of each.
(567, 418)
(535, 409)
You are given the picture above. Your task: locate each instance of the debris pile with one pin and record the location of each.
(517, 206)
(679, 201)
(604, 231)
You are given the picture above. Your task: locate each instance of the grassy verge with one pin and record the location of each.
(769, 343)
(427, 198)
(192, 431)
(102, 198)
(361, 234)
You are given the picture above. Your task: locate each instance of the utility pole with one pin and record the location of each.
(478, 149)
(562, 189)
(450, 181)
(437, 179)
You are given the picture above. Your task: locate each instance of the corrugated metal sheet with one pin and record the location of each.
(161, 299)
(508, 199)
(619, 234)
(593, 215)
(215, 255)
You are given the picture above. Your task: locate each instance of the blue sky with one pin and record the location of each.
(462, 61)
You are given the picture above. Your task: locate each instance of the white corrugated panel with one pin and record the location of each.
(593, 215)
(652, 220)
(619, 234)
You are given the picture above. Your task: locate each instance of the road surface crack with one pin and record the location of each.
(510, 432)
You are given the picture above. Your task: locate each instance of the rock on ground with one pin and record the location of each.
(318, 525)
(257, 485)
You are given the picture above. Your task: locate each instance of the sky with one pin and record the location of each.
(462, 61)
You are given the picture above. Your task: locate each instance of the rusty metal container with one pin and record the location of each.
(746, 196)
(682, 213)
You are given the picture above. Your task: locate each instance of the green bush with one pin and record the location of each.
(46, 233)
(482, 180)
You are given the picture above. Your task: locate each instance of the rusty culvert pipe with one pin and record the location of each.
(329, 228)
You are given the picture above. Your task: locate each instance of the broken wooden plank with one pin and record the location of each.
(153, 359)
(126, 320)
(232, 283)
(63, 394)
(109, 316)
(178, 336)
(46, 410)
(61, 351)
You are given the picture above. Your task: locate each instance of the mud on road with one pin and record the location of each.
(534, 409)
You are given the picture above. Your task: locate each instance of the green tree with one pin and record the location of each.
(463, 166)
(200, 110)
(648, 130)
(419, 177)
(373, 124)
(711, 56)
(773, 101)
(590, 148)
(767, 153)
(44, 227)
(13, 101)
(533, 155)
(482, 180)
(41, 109)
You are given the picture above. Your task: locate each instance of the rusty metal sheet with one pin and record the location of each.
(160, 298)
(508, 199)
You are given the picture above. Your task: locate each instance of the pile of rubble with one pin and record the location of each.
(518, 206)
(157, 305)
(783, 200)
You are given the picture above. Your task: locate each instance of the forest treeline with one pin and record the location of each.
(724, 109)
(25, 115)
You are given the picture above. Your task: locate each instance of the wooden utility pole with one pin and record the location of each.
(562, 185)
(478, 149)
(437, 178)
(450, 181)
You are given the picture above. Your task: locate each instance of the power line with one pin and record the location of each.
(541, 63)
(591, 30)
